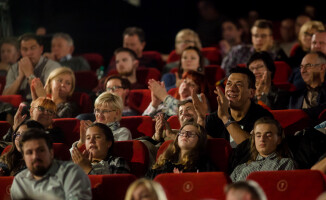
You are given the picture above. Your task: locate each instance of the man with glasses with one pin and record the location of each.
(262, 40)
(312, 68)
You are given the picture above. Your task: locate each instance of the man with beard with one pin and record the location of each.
(46, 178)
(237, 112)
(313, 69)
(126, 65)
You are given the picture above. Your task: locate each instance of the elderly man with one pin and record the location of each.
(46, 178)
(62, 47)
(31, 65)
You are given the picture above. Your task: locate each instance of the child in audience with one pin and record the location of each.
(191, 59)
(268, 150)
(97, 158)
(60, 85)
(12, 162)
(145, 189)
(185, 154)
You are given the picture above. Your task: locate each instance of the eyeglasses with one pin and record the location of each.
(189, 134)
(17, 135)
(42, 109)
(103, 112)
(114, 88)
(309, 65)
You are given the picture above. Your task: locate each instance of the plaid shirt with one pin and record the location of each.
(169, 107)
(114, 165)
(270, 163)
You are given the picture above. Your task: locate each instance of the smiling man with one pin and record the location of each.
(237, 112)
(46, 178)
(313, 69)
(31, 65)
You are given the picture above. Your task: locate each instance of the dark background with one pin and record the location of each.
(97, 26)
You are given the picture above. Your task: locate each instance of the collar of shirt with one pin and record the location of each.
(114, 125)
(51, 172)
(66, 58)
(270, 157)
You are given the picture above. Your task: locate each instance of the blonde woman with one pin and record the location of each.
(60, 86)
(145, 189)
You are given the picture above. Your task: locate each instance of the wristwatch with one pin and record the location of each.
(31, 77)
(230, 121)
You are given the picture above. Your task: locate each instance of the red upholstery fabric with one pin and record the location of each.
(85, 80)
(95, 60)
(136, 153)
(173, 91)
(2, 83)
(70, 128)
(138, 125)
(218, 150)
(293, 184)
(60, 150)
(285, 86)
(154, 55)
(213, 54)
(139, 99)
(5, 185)
(143, 74)
(173, 57)
(322, 116)
(203, 185)
(282, 72)
(112, 186)
(174, 122)
(14, 100)
(294, 49)
(83, 101)
(291, 120)
(4, 127)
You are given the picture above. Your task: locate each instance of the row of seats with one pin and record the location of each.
(293, 184)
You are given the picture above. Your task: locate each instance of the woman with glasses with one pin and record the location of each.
(42, 110)
(191, 59)
(12, 162)
(60, 85)
(187, 153)
(97, 157)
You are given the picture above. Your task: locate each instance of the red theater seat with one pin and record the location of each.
(4, 127)
(139, 99)
(95, 60)
(203, 185)
(213, 54)
(322, 116)
(136, 153)
(282, 72)
(138, 125)
(14, 100)
(173, 57)
(291, 120)
(5, 185)
(143, 74)
(218, 150)
(83, 101)
(154, 55)
(70, 128)
(112, 186)
(292, 184)
(174, 122)
(85, 80)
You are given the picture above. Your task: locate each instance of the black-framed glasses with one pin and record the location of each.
(98, 111)
(189, 134)
(42, 109)
(309, 65)
(17, 135)
(114, 88)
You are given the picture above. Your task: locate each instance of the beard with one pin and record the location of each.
(39, 170)
(127, 73)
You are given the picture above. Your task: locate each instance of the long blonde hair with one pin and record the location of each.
(172, 153)
(154, 188)
(57, 72)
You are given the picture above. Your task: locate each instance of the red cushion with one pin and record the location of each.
(282, 72)
(139, 99)
(292, 184)
(95, 60)
(70, 128)
(213, 54)
(5, 185)
(173, 57)
(112, 186)
(174, 122)
(14, 100)
(138, 125)
(203, 185)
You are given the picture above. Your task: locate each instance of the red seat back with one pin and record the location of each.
(5, 185)
(143, 74)
(282, 72)
(203, 185)
(322, 116)
(138, 125)
(213, 54)
(174, 122)
(112, 186)
(83, 101)
(95, 60)
(4, 127)
(293, 184)
(291, 120)
(154, 55)
(85, 80)
(173, 57)
(2, 83)
(136, 153)
(14, 100)
(139, 99)
(285, 86)
(294, 49)
(70, 128)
